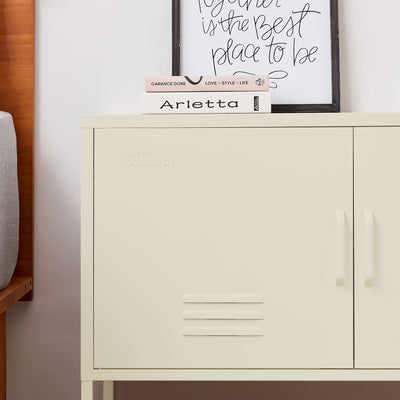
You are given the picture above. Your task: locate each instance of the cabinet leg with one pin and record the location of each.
(108, 390)
(87, 390)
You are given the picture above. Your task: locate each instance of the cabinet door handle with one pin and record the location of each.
(340, 247)
(369, 243)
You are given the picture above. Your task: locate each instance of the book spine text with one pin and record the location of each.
(235, 83)
(206, 102)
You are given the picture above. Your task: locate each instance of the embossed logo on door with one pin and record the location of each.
(142, 156)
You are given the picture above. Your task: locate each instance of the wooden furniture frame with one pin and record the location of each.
(17, 39)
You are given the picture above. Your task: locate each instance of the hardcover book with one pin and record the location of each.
(236, 83)
(206, 102)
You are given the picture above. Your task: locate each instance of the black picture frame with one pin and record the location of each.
(334, 106)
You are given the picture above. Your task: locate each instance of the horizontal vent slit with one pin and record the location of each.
(223, 315)
(203, 298)
(203, 331)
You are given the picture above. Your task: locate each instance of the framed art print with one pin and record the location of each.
(295, 42)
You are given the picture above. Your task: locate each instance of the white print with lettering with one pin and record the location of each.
(287, 39)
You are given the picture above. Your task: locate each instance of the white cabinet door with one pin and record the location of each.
(377, 247)
(223, 248)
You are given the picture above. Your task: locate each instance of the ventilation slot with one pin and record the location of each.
(223, 315)
(228, 331)
(205, 298)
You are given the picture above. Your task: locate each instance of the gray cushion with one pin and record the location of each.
(9, 202)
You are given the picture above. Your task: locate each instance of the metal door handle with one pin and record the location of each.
(369, 243)
(340, 248)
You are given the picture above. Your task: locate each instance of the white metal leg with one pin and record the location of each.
(108, 390)
(87, 390)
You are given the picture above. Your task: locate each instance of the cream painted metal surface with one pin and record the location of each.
(108, 390)
(294, 120)
(377, 245)
(86, 390)
(377, 348)
(245, 375)
(223, 220)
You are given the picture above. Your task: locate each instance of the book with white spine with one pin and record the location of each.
(206, 102)
(234, 83)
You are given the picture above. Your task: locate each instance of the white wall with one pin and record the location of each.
(92, 57)
(370, 57)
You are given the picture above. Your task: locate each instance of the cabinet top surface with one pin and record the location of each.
(241, 120)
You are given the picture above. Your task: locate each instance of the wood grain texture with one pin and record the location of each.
(16, 290)
(17, 97)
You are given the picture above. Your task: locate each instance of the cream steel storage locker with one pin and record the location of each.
(222, 248)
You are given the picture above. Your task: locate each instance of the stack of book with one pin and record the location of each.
(207, 94)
